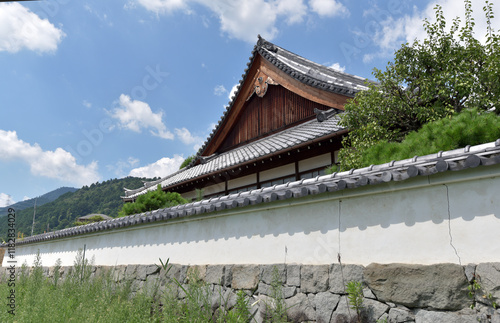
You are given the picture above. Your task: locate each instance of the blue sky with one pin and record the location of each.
(94, 90)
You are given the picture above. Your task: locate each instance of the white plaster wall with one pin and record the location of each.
(242, 181)
(398, 222)
(213, 189)
(315, 162)
(276, 172)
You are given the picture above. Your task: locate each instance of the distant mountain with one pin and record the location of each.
(103, 198)
(41, 200)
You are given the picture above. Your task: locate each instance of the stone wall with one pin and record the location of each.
(315, 293)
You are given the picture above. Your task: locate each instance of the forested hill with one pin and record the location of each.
(40, 200)
(101, 198)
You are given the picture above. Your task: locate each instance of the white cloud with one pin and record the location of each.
(25, 198)
(188, 139)
(219, 90)
(22, 29)
(5, 200)
(336, 66)
(136, 115)
(58, 164)
(242, 19)
(160, 168)
(328, 8)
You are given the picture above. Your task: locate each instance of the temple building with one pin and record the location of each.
(281, 125)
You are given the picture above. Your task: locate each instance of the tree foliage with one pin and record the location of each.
(152, 200)
(470, 127)
(187, 161)
(442, 75)
(101, 197)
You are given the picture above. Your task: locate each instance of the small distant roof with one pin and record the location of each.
(88, 216)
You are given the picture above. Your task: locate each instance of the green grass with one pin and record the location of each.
(74, 299)
(81, 296)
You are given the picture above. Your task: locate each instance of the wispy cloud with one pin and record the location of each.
(220, 90)
(136, 115)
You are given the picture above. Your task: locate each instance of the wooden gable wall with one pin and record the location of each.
(286, 102)
(278, 109)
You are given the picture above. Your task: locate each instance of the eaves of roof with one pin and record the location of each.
(284, 141)
(454, 160)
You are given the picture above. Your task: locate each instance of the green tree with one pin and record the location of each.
(187, 161)
(442, 75)
(470, 127)
(152, 200)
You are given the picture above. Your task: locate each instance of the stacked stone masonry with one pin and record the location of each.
(316, 293)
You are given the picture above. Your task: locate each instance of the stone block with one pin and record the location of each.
(268, 273)
(118, 273)
(264, 289)
(440, 287)
(488, 276)
(325, 303)
(130, 272)
(215, 274)
(343, 313)
(228, 275)
(314, 278)
(424, 316)
(300, 308)
(293, 275)
(470, 272)
(373, 310)
(289, 291)
(400, 315)
(245, 276)
(338, 278)
(143, 271)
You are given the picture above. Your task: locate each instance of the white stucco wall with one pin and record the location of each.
(398, 222)
(242, 181)
(315, 162)
(276, 172)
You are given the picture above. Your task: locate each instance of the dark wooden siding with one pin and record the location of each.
(278, 109)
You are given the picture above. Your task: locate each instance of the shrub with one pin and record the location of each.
(152, 200)
(470, 127)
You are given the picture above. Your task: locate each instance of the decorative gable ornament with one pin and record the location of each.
(260, 84)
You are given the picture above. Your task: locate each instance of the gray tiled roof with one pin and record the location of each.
(309, 72)
(454, 160)
(299, 68)
(267, 146)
